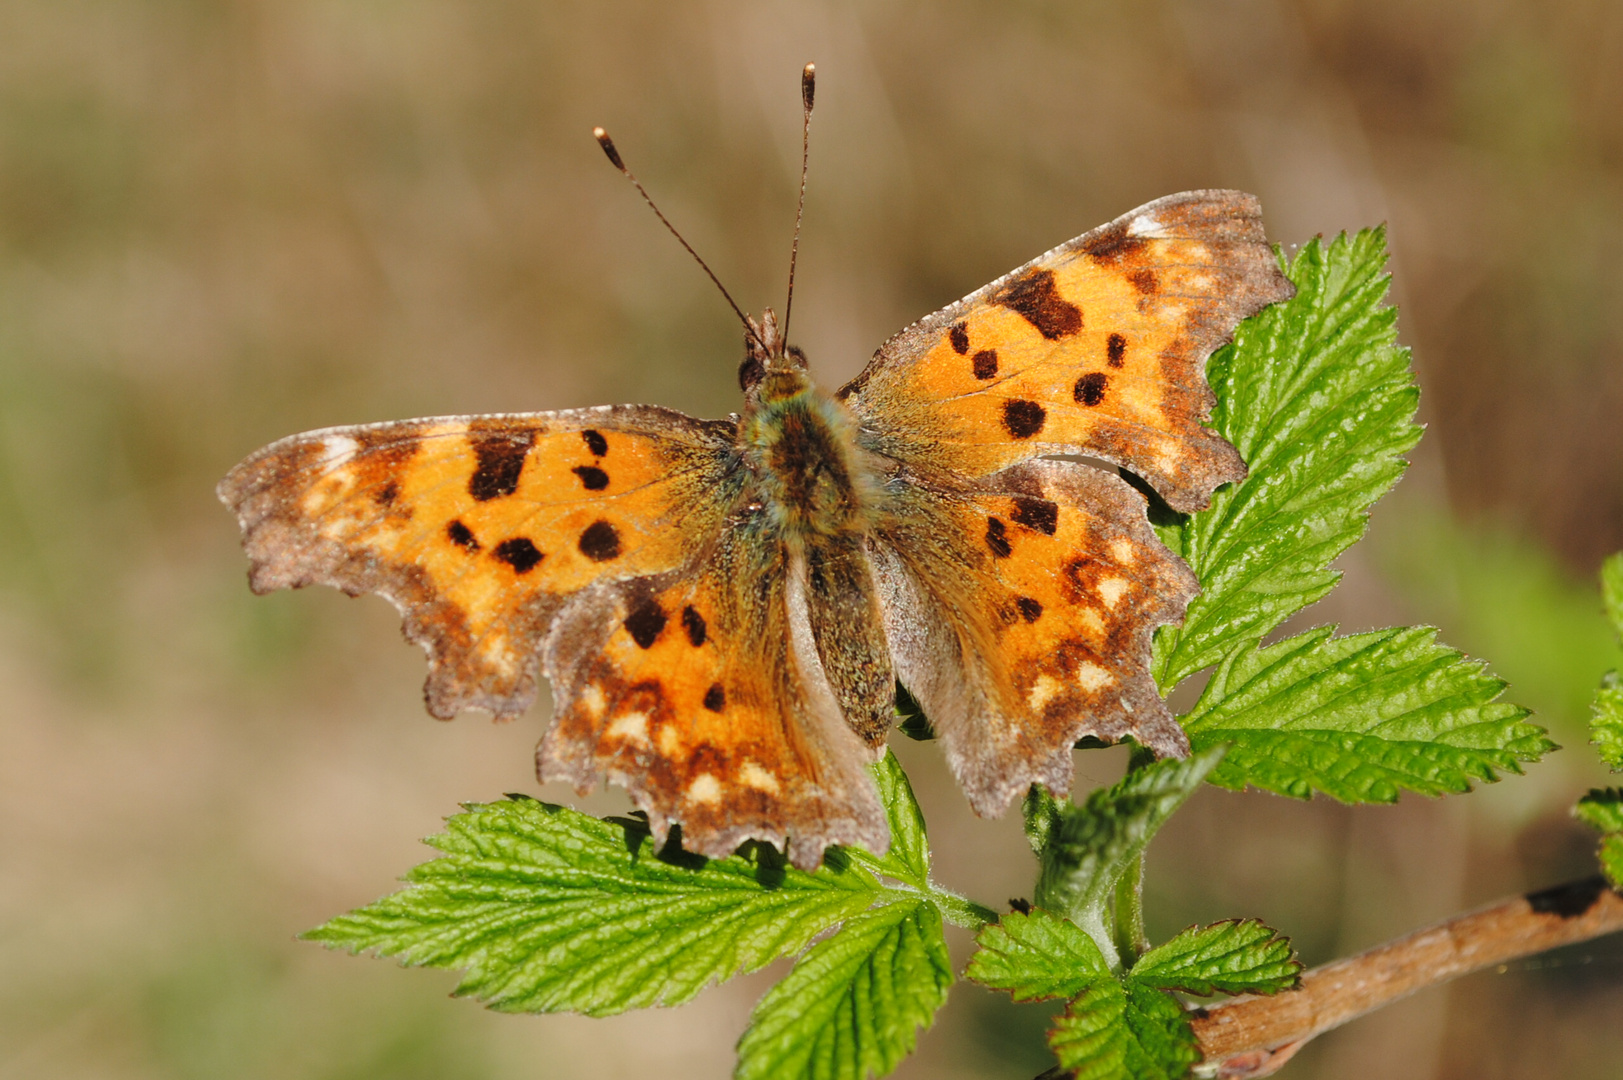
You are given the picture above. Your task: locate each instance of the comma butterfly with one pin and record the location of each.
(725, 607)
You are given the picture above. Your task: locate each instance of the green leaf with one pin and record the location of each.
(1113, 1028)
(1234, 957)
(908, 859)
(1035, 957)
(1042, 813)
(1091, 1036)
(854, 1003)
(548, 910)
(1360, 718)
(1611, 590)
(1090, 846)
(1606, 721)
(1319, 400)
(1601, 810)
(1611, 858)
(1117, 1031)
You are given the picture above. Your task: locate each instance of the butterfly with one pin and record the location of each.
(725, 607)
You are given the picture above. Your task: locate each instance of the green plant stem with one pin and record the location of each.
(1131, 941)
(960, 911)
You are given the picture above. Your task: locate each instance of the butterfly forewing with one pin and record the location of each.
(1098, 347)
(478, 528)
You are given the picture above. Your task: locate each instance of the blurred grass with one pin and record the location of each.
(1507, 600)
(222, 221)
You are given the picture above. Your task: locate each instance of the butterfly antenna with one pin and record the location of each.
(808, 90)
(607, 144)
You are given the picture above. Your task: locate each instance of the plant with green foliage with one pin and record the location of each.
(547, 909)
(1602, 808)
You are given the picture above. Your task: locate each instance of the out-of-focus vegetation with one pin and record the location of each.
(222, 222)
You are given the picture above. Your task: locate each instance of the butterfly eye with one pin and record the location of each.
(750, 372)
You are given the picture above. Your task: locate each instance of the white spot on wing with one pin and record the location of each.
(1111, 590)
(632, 727)
(1122, 551)
(1143, 225)
(758, 778)
(704, 789)
(336, 448)
(1043, 692)
(1092, 676)
(334, 483)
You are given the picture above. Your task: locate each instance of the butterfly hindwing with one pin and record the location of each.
(702, 695)
(1098, 347)
(1021, 612)
(479, 528)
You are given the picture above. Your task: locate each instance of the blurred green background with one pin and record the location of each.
(223, 222)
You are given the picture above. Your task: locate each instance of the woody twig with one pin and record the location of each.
(1248, 1037)
(1254, 1036)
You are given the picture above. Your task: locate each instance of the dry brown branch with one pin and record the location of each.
(1254, 1036)
(1248, 1037)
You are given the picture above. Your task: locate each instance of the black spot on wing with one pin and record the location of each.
(1144, 280)
(387, 494)
(1115, 349)
(693, 623)
(461, 536)
(985, 363)
(959, 336)
(997, 538)
(1038, 514)
(1113, 245)
(520, 553)
(500, 460)
(1090, 388)
(600, 542)
(645, 623)
(1035, 299)
(595, 442)
(592, 478)
(1022, 418)
(715, 698)
(1030, 610)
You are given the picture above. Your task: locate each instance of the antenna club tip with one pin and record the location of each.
(808, 85)
(607, 144)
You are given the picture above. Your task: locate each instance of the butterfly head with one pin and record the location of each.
(771, 370)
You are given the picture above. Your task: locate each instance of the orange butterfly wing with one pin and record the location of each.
(608, 549)
(1021, 596)
(1098, 347)
(477, 528)
(704, 696)
(1020, 614)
